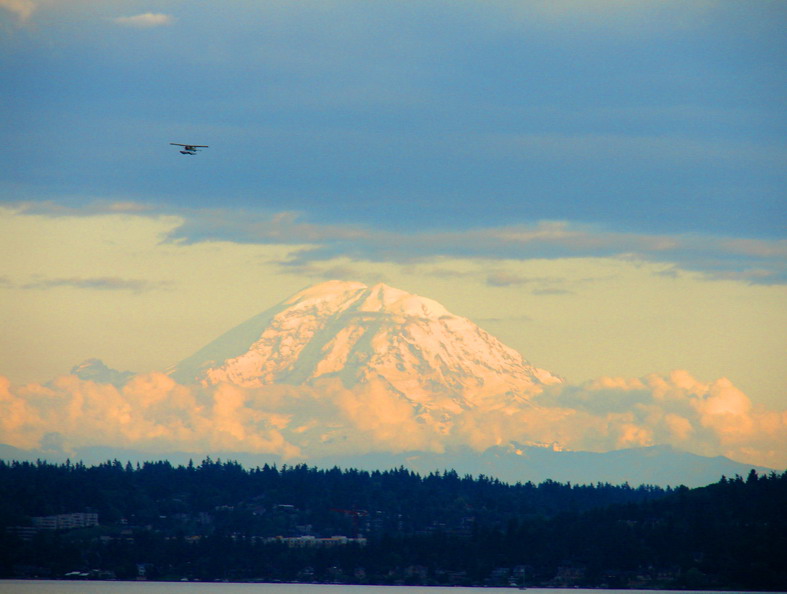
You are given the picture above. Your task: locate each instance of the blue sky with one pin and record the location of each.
(601, 183)
(644, 117)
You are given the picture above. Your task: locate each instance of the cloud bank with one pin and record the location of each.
(153, 413)
(757, 261)
(760, 261)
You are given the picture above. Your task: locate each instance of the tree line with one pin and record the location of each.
(219, 520)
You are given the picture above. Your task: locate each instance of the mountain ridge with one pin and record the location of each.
(654, 465)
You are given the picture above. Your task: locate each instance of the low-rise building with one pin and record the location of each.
(66, 521)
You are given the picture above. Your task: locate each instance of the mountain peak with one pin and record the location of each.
(384, 299)
(328, 290)
(379, 298)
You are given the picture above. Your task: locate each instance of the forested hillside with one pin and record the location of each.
(218, 520)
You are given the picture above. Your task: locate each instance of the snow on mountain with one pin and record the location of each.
(409, 344)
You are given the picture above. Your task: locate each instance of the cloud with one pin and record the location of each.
(146, 20)
(506, 279)
(710, 419)
(98, 283)
(755, 261)
(21, 9)
(154, 413)
(540, 285)
(717, 257)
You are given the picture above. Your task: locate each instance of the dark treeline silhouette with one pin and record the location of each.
(220, 521)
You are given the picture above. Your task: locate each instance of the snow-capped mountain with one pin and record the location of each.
(371, 377)
(409, 344)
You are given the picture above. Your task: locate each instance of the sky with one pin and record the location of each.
(598, 183)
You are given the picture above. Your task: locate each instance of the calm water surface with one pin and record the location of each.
(96, 587)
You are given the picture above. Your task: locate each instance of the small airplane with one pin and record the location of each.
(189, 149)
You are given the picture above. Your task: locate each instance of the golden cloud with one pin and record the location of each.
(154, 413)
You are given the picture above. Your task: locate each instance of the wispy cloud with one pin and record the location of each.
(747, 260)
(538, 285)
(757, 261)
(21, 9)
(102, 283)
(146, 20)
(506, 279)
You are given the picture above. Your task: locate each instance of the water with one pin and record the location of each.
(98, 587)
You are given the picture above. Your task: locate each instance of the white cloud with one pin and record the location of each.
(711, 419)
(145, 20)
(21, 9)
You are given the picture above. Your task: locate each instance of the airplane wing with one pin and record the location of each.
(191, 145)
